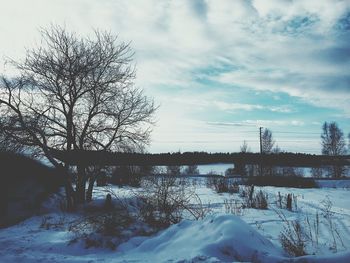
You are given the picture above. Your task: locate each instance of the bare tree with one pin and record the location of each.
(245, 148)
(333, 144)
(240, 167)
(267, 141)
(267, 146)
(76, 93)
(9, 145)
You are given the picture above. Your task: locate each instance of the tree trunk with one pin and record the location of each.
(70, 195)
(81, 183)
(92, 180)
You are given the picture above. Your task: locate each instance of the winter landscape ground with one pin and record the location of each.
(224, 232)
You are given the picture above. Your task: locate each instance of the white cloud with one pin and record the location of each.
(271, 45)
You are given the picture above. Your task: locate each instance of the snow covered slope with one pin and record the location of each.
(219, 237)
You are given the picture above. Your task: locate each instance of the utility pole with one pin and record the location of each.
(260, 131)
(260, 166)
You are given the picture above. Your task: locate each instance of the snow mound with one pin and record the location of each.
(219, 237)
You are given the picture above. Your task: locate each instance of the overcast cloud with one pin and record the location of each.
(280, 62)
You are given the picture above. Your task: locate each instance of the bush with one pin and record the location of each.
(165, 201)
(247, 192)
(328, 215)
(173, 170)
(317, 172)
(293, 238)
(296, 237)
(102, 178)
(102, 226)
(260, 200)
(229, 172)
(233, 206)
(105, 222)
(222, 184)
(257, 200)
(287, 201)
(126, 176)
(191, 170)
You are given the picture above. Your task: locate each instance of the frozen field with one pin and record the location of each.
(250, 235)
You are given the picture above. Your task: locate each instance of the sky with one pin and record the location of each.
(218, 69)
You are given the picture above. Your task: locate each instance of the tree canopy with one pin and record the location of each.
(76, 93)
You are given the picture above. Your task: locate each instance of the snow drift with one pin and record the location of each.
(217, 238)
(221, 237)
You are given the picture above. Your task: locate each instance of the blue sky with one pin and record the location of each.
(219, 69)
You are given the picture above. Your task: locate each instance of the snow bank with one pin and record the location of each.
(218, 238)
(221, 237)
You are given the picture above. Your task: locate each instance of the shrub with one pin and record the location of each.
(317, 172)
(126, 175)
(257, 200)
(313, 226)
(165, 200)
(229, 172)
(292, 240)
(173, 170)
(191, 170)
(287, 201)
(247, 195)
(223, 184)
(233, 206)
(328, 215)
(260, 200)
(247, 191)
(292, 237)
(295, 237)
(107, 223)
(102, 179)
(100, 226)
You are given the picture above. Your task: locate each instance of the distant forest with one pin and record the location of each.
(197, 158)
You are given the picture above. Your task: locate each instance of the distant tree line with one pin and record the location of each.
(196, 158)
(333, 145)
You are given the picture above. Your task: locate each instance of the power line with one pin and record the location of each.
(273, 132)
(292, 132)
(218, 141)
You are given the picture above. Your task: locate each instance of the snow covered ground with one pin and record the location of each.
(252, 236)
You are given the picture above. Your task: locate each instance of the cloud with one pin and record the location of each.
(175, 39)
(258, 123)
(235, 124)
(188, 53)
(204, 101)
